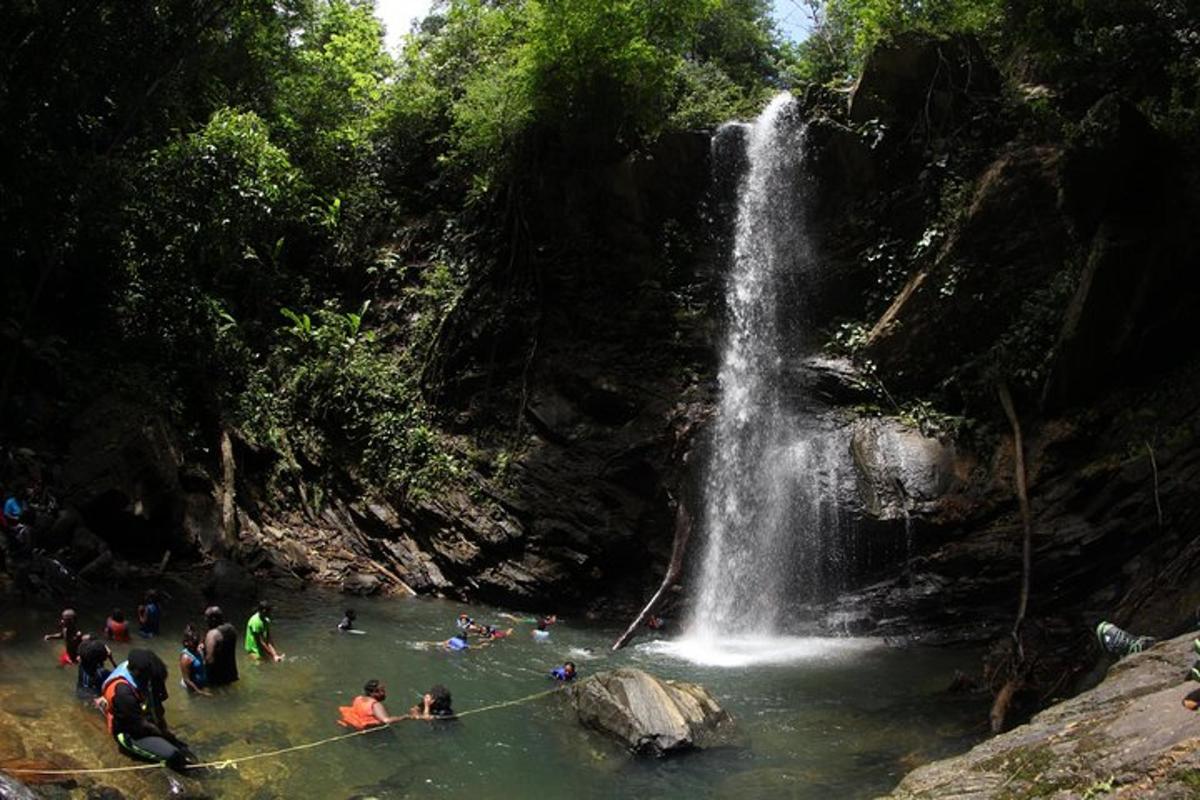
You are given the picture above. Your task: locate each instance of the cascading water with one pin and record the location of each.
(769, 491)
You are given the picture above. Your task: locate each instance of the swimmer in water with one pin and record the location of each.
(565, 673)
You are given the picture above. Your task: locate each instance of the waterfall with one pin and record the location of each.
(770, 487)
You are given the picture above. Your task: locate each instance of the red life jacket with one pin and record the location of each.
(360, 715)
(119, 630)
(110, 693)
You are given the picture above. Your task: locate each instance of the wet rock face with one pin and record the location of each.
(1130, 734)
(648, 715)
(899, 468)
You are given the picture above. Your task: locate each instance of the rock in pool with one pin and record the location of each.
(648, 715)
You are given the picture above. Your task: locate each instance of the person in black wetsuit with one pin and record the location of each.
(132, 700)
(220, 648)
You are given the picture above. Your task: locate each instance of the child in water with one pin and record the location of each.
(116, 629)
(540, 634)
(347, 623)
(72, 637)
(434, 705)
(93, 654)
(457, 642)
(565, 673)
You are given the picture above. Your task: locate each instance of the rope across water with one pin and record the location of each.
(233, 762)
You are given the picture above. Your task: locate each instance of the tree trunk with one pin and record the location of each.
(683, 531)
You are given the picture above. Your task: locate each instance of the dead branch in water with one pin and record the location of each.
(683, 531)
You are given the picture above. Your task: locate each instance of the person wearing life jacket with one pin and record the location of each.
(540, 634)
(191, 663)
(132, 700)
(220, 648)
(492, 633)
(435, 704)
(564, 673)
(116, 629)
(465, 623)
(458, 642)
(367, 710)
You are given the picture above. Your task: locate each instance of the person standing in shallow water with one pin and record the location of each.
(192, 670)
(220, 648)
(149, 616)
(72, 637)
(258, 635)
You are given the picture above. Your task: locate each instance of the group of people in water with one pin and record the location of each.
(131, 693)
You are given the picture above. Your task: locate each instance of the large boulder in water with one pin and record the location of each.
(649, 715)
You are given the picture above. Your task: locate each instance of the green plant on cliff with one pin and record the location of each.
(329, 396)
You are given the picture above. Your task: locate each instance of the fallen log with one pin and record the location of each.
(683, 531)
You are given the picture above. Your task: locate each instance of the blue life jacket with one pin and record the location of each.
(199, 677)
(560, 674)
(122, 671)
(458, 642)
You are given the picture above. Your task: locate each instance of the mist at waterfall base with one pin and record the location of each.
(769, 521)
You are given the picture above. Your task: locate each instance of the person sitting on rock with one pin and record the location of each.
(435, 704)
(258, 635)
(220, 648)
(72, 637)
(116, 629)
(565, 673)
(367, 710)
(149, 616)
(93, 655)
(132, 700)
(191, 663)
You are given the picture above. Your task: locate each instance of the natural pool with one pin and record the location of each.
(820, 719)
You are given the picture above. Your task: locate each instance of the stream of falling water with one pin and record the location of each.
(769, 490)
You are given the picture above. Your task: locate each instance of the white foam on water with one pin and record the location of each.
(732, 651)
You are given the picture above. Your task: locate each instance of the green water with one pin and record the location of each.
(836, 720)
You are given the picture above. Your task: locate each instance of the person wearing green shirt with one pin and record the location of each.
(258, 634)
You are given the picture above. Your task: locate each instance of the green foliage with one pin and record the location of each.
(846, 30)
(600, 76)
(203, 246)
(330, 396)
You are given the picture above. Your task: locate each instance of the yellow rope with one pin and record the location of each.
(233, 762)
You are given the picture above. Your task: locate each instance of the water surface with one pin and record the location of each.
(815, 718)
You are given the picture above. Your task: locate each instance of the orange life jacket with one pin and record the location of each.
(110, 694)
(360, 715)
(120, 630)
